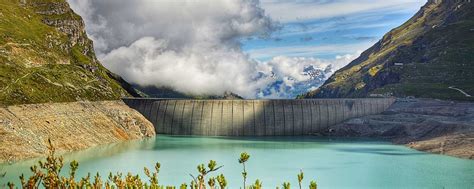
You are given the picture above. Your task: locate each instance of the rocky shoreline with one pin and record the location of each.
(435, 126)
(25, 129)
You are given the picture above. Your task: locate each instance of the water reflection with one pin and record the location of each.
(380, 151)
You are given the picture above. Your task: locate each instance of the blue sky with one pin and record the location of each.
(325, 29)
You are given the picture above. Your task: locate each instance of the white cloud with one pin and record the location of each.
(149, 61)
(307, 50)
(115, 23)
(193, 46)
(291, 11)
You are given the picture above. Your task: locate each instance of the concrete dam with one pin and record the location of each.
(252, 117)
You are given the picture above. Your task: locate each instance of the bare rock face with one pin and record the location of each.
(52, 8)
(61, 16)
(25, 129)
(442, 127)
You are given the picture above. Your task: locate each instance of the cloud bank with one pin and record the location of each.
(189, 45)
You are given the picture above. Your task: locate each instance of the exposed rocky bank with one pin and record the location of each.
(25, 129)
(442, 127)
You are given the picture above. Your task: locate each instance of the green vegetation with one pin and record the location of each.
(300, 178)
(47, 174)
(45, 56)
(433, 51)
(244, 157)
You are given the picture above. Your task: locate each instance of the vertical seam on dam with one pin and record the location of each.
(157, 115)
(302, 122)
(293, 116)
(274, 118)
(172, 118)
(181, 124)
(232, 118)
(311, 116)
(328, 114)
(192, 118)
(243, 120)
(211, 124)
(320, 126)
(150, 108)
(257, 118)
(284, 118)
(264, 119)
(254, 117)
(147, 109)
(222, 118)
(334, 113)
(365, 108)
(164, 116)
(201, 129)
(358, 112)
(343, 106)
(242, 130)
(378, 105)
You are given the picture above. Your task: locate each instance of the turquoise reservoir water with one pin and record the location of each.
(333, 163)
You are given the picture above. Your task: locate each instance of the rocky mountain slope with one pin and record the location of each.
(25, 129)
(45, 56)
(436, 126)
(424, 57)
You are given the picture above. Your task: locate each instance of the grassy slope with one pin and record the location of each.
(38, 63)
(436, 47)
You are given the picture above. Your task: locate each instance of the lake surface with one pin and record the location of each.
(333, 163)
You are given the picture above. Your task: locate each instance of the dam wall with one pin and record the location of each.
(252, 117)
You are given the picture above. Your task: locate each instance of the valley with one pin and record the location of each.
(120, 85)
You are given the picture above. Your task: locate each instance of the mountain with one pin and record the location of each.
(427, 56)
(160, 92)
(228, 96)
(45, 56)
(287, 87)
(166, 92)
